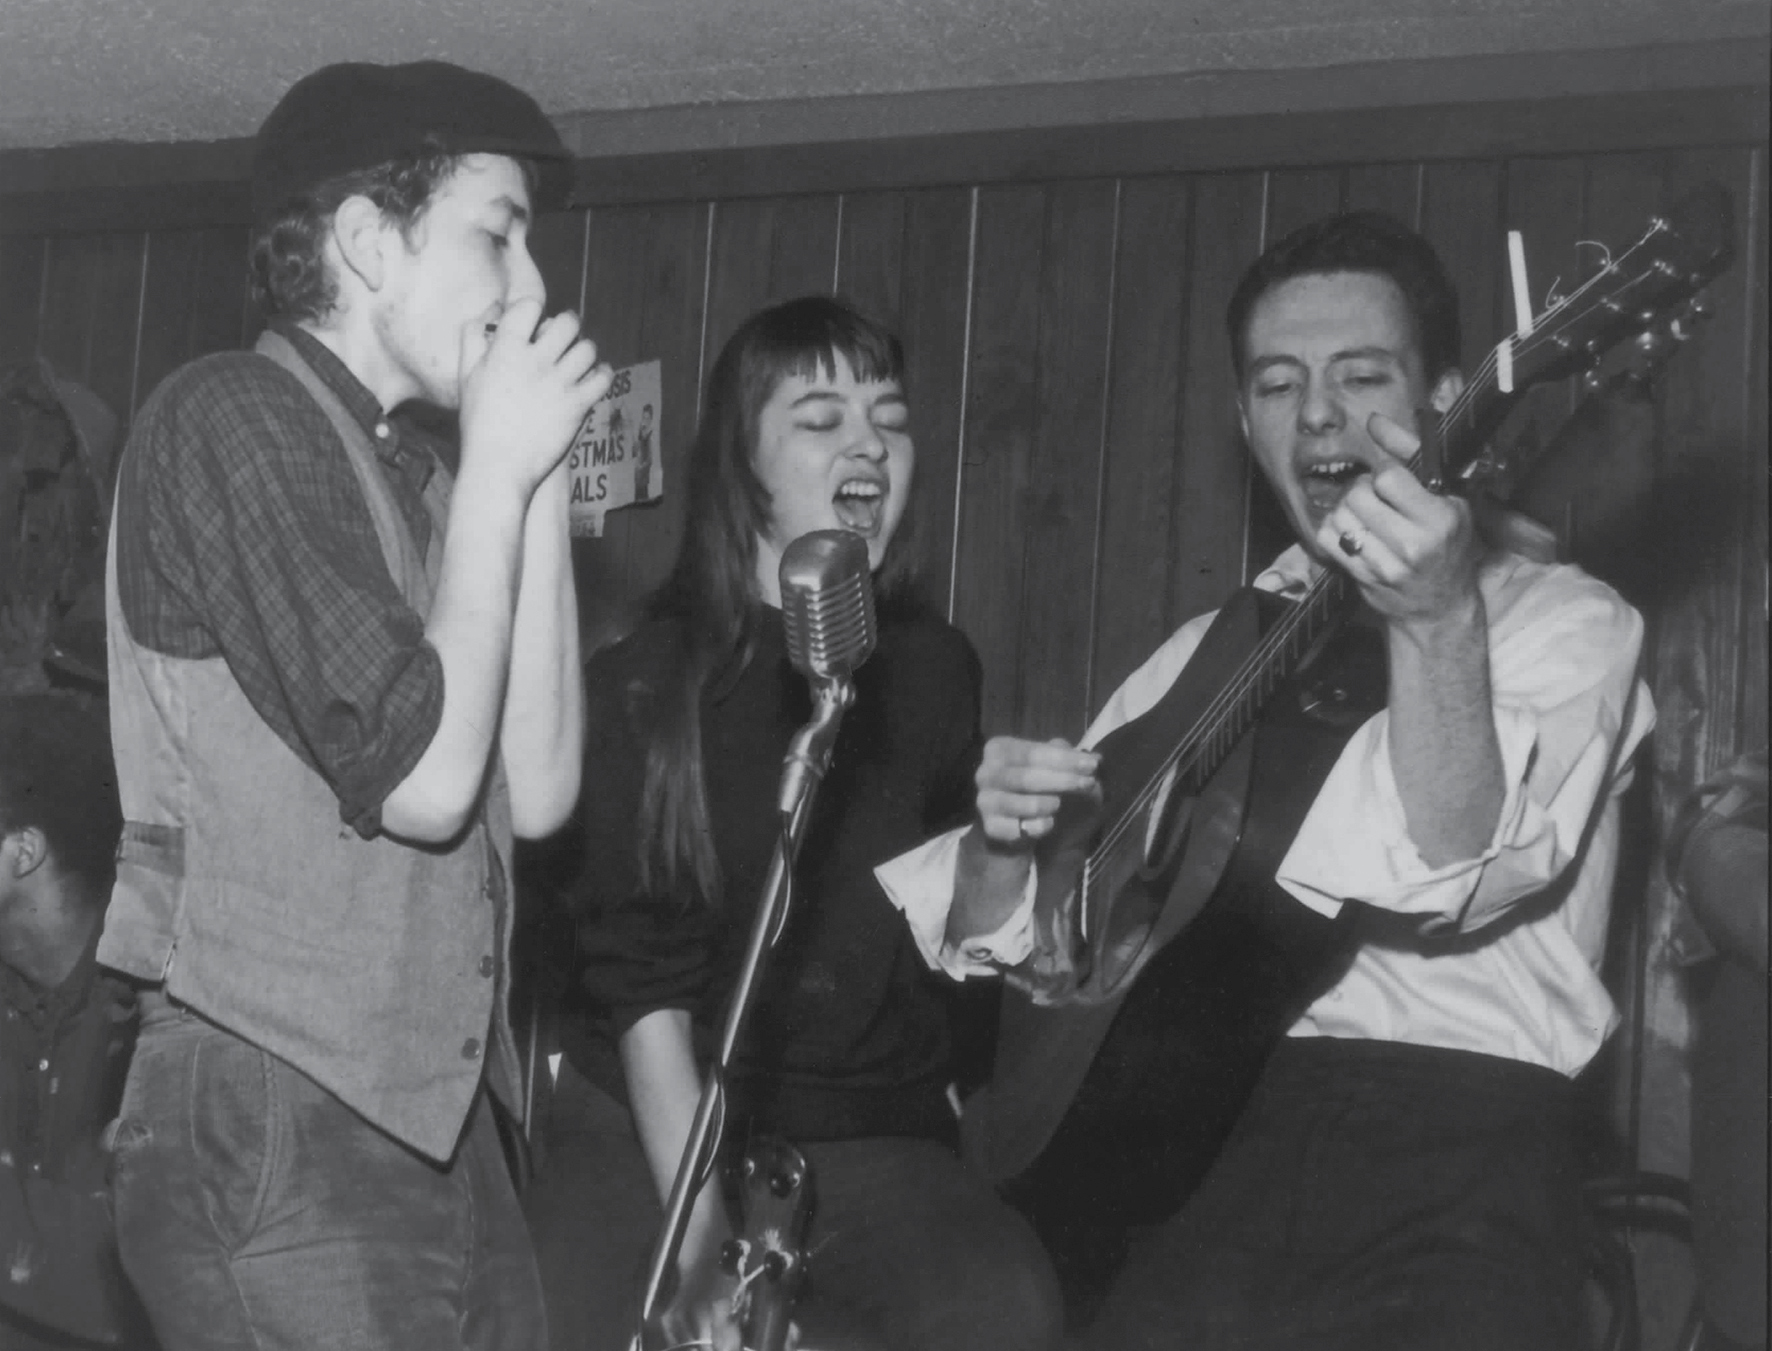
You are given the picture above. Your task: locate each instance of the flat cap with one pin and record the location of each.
(354, 116)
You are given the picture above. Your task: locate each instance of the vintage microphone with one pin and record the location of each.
(827, 606)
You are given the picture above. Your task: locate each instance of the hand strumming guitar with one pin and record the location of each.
(1021, 785)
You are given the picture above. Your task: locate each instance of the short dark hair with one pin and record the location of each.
(289, 274)
(1358, 241)
(57, 775)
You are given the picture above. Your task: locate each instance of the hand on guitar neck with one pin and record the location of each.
(1414, 557)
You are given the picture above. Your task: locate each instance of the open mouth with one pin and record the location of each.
(1327, 482)
(860, 505)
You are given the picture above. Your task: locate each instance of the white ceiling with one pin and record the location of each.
(174, 70)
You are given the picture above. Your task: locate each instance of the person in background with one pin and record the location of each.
(341, 678)
(1403, 1175)
(66, 1031)
(1717, 861)
(849, 1053)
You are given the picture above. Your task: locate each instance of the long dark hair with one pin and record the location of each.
(711, 592)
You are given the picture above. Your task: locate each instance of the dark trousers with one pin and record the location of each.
(1373, 1197)
(909, 1250)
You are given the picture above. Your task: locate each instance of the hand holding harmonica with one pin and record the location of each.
(527, 384)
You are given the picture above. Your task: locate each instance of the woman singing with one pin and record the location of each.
(849, 1053)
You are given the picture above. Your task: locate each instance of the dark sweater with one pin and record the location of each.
(851, 1035)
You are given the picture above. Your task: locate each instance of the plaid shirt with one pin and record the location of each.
(242, 533)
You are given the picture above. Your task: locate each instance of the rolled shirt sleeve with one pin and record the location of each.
(920, 882)
(1563, 661)
(242, 533)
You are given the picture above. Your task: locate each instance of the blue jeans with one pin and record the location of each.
(254, 1210)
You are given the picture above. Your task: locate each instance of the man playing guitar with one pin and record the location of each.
(1403, 1173)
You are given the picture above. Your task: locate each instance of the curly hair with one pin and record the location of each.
(289, 273)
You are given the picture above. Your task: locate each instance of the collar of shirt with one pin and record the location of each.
(48, 1008)
(413, 462)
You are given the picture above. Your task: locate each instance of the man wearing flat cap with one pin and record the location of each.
(338, 688)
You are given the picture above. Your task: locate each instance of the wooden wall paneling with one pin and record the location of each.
(1461, 216)
(1002, 415)
(1296, 197)
(870, 252)
(803, 248)
(1391, 188)
(557, 244)
(1144, 448)
(1210, 549)
(1062, 523)
(92, 312)
(764, 251)
(21, 296)
(671, 304)
(193, 301)
(934, 304)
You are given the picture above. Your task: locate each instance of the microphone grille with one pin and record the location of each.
(827, 603)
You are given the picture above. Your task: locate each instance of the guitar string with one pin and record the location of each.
(1209, 727)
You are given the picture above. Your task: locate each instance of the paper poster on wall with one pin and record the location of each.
(614, 459)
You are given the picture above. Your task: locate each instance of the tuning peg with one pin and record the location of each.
(732, 1255)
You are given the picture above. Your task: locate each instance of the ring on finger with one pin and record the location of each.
(1021, 827)
(1351, 542)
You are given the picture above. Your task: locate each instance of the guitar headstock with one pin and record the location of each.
(1643, 290)
(769, 1258)
(1651, 292)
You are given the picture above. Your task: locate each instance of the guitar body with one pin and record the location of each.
(1104, 1115)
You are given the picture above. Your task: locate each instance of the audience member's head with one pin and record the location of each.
(58, 796)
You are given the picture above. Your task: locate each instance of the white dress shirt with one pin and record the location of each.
(1504, 956)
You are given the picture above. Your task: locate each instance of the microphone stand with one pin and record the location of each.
(807, 759)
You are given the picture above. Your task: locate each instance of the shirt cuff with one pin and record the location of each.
(920, 883)
(1355, 843)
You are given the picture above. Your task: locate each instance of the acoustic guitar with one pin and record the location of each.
(1172, 961)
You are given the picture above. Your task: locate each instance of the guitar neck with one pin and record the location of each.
(1325, 605)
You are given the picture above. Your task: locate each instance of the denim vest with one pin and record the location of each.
(377, 968)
